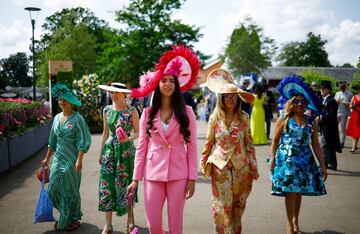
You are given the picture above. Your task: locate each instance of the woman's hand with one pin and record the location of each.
(45, 161)
(78, 165)
(324, 172)
(272, 164)
(132, 187)
(190, 189)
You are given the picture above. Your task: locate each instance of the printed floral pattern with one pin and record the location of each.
(295, 168)
(117, 163)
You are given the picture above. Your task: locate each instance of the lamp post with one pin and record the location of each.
(30, 9)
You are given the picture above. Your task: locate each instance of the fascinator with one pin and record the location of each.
(61, 90)
(180, 62)
(294, 85)
(220, 81)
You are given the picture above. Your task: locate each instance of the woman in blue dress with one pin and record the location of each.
(292, 164)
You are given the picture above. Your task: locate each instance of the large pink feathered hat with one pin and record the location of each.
(180, 62)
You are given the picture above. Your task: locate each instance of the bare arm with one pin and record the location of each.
(316, 147)
(48, 156)
(275, 142)
(105, 135)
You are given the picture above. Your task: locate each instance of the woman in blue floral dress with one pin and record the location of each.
(117, 154)
(292, 164)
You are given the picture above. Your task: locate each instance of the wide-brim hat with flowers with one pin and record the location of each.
(61, 90)
(180, 62)
(221, 81)
(115, 87)
(294, 85)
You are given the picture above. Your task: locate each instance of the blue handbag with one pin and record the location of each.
(44, 207)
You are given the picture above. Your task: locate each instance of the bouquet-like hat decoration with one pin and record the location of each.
(61, 90)
(221, 81)
(180, 62)
(294, 85)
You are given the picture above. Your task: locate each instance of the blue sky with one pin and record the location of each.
(338, 22)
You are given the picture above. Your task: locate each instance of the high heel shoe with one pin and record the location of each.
(353, 150)
(109, 230)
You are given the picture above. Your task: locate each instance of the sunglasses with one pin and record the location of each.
(300, 101)
(229, 96)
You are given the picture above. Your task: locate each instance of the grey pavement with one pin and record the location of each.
(335, 213)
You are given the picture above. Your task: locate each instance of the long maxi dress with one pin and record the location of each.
(117, 163)
(66, 140)
(258, 124)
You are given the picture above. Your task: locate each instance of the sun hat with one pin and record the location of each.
(294, 85)
(180, 62)
(61, 90)
(115, 87)
(220, 81)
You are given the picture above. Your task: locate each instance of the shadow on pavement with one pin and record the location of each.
(344, 173)
(324, 232)
(16, 176)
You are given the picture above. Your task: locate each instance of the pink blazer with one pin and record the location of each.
(165, 157)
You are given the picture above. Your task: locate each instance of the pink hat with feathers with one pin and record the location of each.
(180, 62)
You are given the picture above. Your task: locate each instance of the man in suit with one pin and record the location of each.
(329, 140)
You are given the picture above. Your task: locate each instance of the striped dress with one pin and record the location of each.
(66, 140)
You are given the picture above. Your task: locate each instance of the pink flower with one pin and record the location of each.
(70, 126)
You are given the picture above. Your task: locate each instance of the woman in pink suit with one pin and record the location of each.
(166, 154)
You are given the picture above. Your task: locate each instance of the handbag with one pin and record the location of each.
(131, 228)
(44, 207)
(208, 170)
(44, 171)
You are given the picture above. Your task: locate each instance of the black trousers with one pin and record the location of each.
(329, 154)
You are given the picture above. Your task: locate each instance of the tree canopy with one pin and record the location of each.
(304, 54)
(14, 71)
(248, 50)
(148, 32)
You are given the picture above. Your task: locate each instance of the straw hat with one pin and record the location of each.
(220, 81)
(115, 87)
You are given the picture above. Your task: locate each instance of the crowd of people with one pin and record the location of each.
(165, 157)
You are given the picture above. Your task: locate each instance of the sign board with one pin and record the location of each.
(59, 65)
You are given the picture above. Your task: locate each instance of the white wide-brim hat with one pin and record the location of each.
(115, 87)
(220, 81)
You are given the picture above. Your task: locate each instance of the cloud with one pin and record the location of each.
(343, 44)
(17, 35)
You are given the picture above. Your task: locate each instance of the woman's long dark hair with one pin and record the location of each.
(178, 106)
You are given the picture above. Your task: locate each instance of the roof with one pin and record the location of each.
(339, 73)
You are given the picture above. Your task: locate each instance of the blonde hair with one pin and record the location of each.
(288, 111)
(219, 110)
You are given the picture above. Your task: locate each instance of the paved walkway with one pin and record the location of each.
(336, 213)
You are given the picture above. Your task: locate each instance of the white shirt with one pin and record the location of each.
(343, 99)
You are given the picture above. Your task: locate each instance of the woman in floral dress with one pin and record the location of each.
(292, 164)
(69, 140)
(229, 153)
(117, 155)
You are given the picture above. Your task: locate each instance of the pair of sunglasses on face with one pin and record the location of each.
(229, 96)
(300, 101)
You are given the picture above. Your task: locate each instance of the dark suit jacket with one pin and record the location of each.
(328, 124)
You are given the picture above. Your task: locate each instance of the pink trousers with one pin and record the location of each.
(155, 193)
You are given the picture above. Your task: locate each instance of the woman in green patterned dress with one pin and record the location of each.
(117, 155)
(69, 139)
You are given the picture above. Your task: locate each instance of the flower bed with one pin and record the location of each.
(24, 129)
(18, 115)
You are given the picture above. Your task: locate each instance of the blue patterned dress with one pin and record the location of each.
(295, 168)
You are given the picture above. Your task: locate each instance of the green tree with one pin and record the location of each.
(148, 31)
(347, 65)
(75, 34)
(356, 80)
(312, 75)
(14, 71)
(305, 54)
(248, 49)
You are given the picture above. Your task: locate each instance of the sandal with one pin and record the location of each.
(73, 226)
